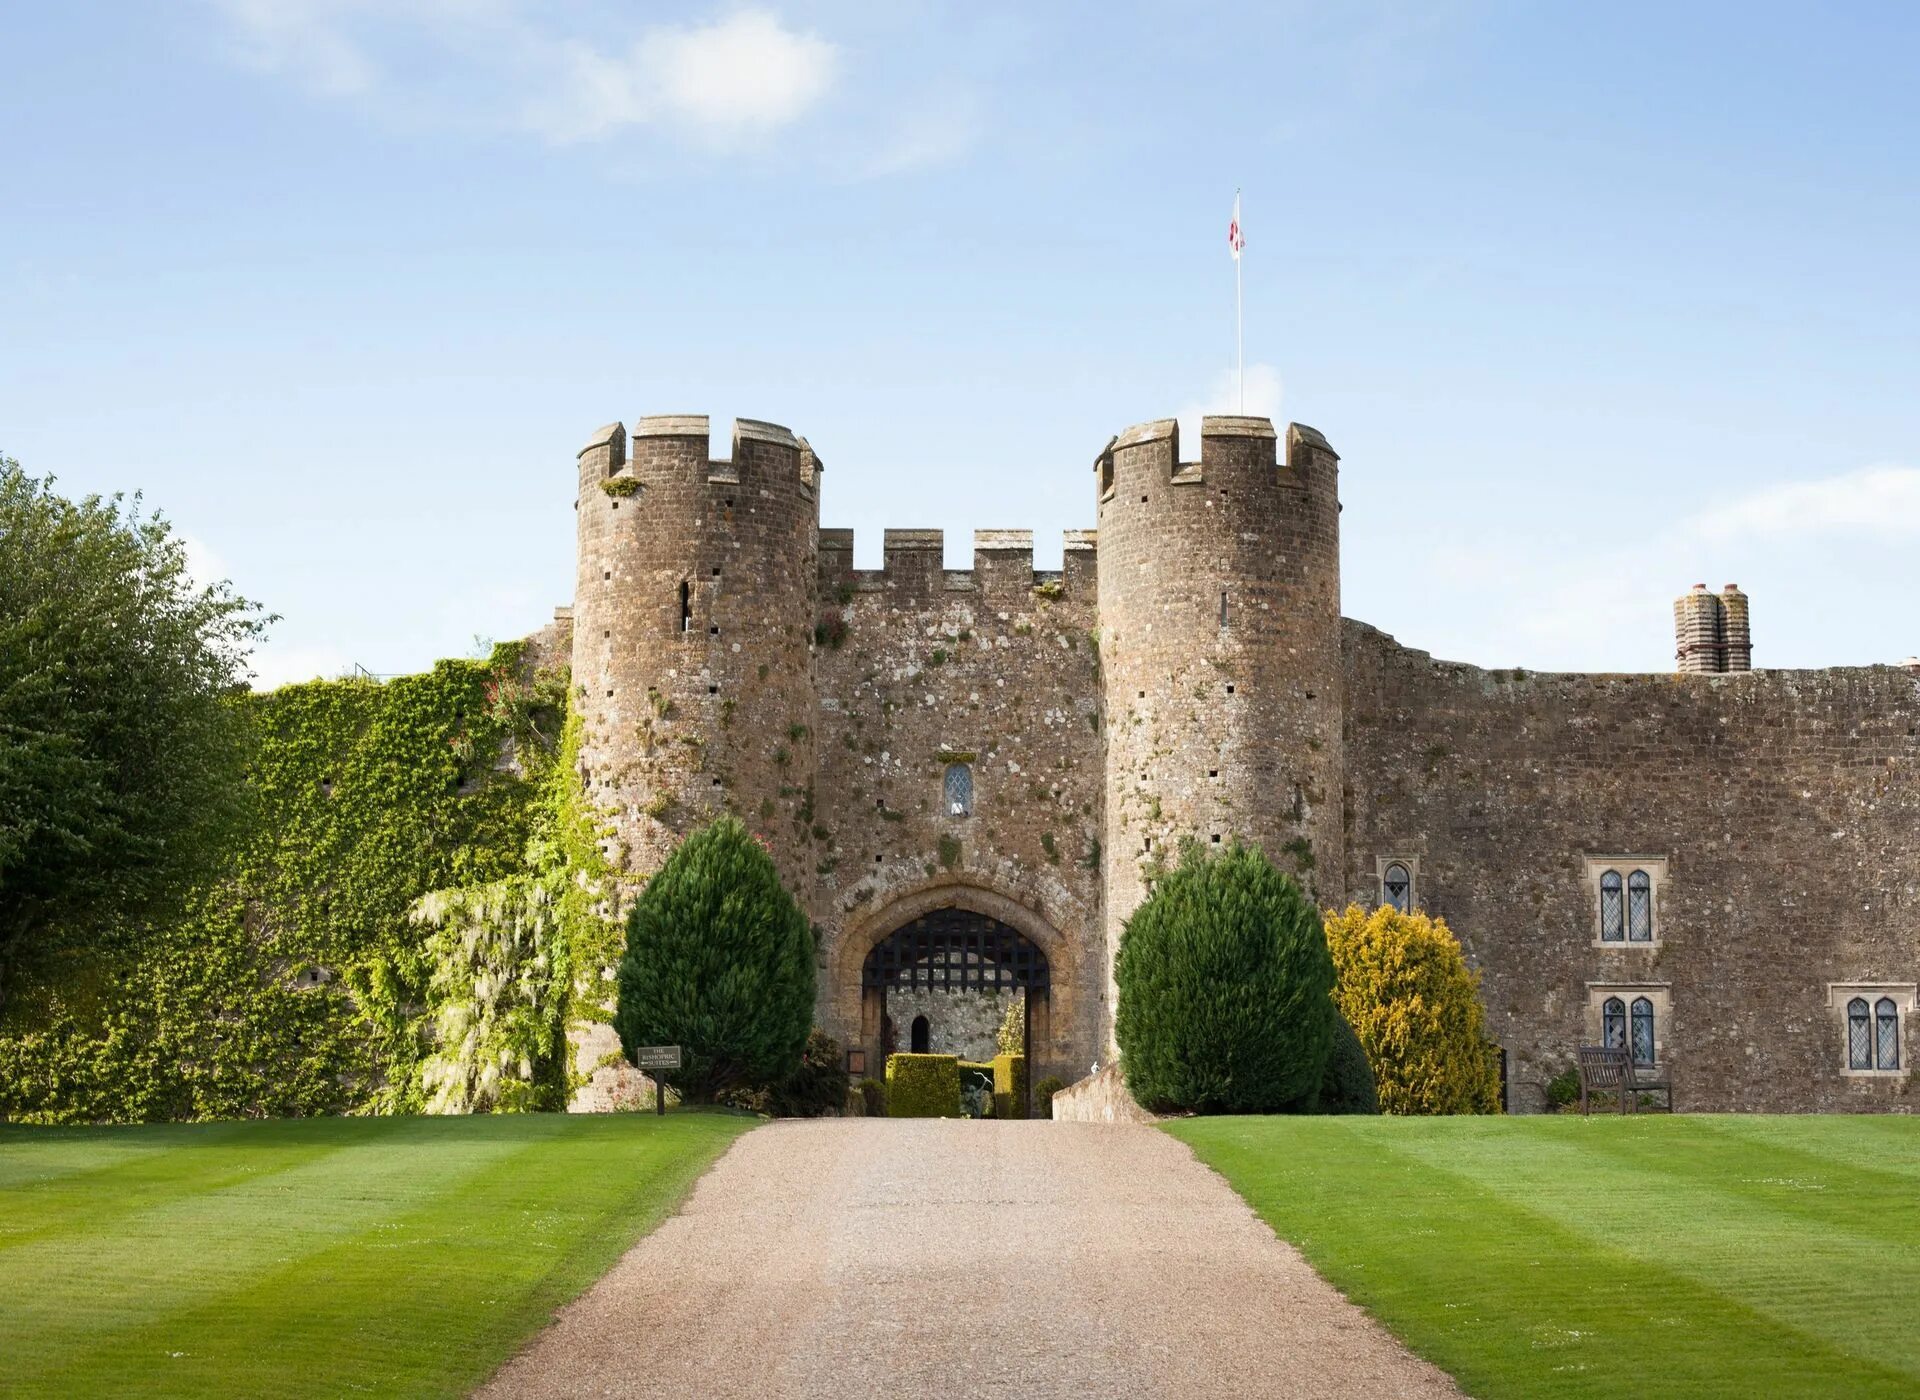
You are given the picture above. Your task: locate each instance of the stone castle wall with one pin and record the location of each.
(1785, 806)
(921, 667)
(1197, 682)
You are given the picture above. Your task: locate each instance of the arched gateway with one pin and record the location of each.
(953, 952)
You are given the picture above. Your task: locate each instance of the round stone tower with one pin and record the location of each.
(693, 634)
(1219, 591)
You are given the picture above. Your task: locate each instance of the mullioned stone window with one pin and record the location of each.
(1626, 899)
(1872, 1023)
(1631, 1016)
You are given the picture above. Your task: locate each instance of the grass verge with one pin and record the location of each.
(1694, 1256)
(317, 1256)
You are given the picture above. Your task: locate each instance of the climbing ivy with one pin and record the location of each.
(320, 972)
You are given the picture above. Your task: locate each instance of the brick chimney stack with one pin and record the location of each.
(1696, 631)
(1711, 632)
(1736, 638)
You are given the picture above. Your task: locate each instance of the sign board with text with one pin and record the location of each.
(657, 1057)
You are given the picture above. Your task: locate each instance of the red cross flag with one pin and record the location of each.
(1236, 240)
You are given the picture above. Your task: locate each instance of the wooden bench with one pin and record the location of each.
(1609, 1069)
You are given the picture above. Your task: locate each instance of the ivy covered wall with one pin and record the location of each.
(316, 976)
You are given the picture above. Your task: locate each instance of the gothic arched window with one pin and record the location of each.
(1612, 917)
(1642, 1031)
(1613, 1024)
(1639, 908)
(1886, 1039)
(957, 788)
(1396, 887)
(1859, 1035)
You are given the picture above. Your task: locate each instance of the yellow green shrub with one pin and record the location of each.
(1009, 1086)
(923, 1086)
(1404, 986)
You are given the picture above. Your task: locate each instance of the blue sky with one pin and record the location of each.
(1596, 302)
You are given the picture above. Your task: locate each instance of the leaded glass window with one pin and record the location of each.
(1396, 887)
(958, 789)
(1612, 922)
(1639, 908)
(1886, 1021)
(1642, 1031)
(1859, 1035)
(1613, 1023)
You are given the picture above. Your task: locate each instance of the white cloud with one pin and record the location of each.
(1878, 500)
(742, 76)
(485, 62)
(306, 38)
(1262, 400)
(746, 71)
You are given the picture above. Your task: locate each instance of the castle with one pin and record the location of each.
(970, 778)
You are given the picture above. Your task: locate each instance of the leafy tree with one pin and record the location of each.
(120, 747)
(1011, 1038)
(1405, 988)
(720, 962)
(498, 988)
(1223, 976)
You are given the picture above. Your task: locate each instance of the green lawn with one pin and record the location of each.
(1653, 1255)
(318, 1256)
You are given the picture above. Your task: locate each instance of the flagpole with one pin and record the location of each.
(1239, 323)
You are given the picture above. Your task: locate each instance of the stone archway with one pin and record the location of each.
(956, 912)
(960, 975)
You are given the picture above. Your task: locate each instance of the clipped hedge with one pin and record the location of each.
(1009, 1086)
(923, 1086)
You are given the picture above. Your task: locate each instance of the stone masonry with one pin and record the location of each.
(1033, 748)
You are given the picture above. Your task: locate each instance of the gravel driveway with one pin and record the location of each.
(868, 1257)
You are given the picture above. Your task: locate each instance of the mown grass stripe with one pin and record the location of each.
(412, 1256)
(1531, 1257)
(1786, 1233)
(178, 1162)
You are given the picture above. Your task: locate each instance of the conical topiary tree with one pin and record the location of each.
(1224, 978)
(719, 961)
(1405, 988)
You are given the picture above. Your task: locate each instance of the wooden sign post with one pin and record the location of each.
(656, 1058)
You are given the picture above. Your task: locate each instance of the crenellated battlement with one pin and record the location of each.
(1232, 445)
(914, 561)
(681, 444)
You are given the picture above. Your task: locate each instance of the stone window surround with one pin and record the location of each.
(1656, 869)
(1840, 993)
(1380, 864)
(1659, 993)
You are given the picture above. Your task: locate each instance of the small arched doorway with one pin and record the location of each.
(956, 951)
